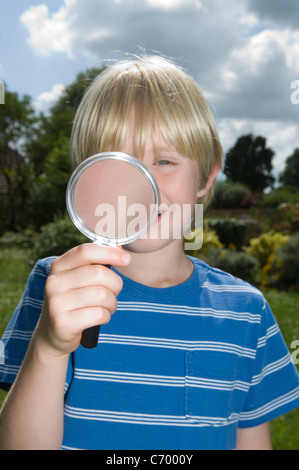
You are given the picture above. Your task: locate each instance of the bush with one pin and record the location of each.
(230, 195)
(56, 238)
(212, 252)
(230, 231)
(283, 268)
(265, 246)
(210, 242)
(237, 263)
(17, 239)
(287, 218)
(280, 195)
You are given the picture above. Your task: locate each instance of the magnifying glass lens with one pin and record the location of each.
(112, 198)
(115, 200)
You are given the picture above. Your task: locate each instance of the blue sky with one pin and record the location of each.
(22, 67)
(243, 53)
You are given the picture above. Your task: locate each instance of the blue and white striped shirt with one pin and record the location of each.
(175, 368)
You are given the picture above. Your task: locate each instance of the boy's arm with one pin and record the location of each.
(80, 292)
(255, 438)
(32, 415)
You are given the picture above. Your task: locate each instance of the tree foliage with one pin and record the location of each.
(57, 124)
(16, 117)
(38, 145)
(48, 150)
(249, 162)
(290, 175)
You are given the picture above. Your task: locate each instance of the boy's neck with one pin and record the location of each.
(157, 269)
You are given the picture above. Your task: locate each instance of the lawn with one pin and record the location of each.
(285, 430)
(14, 270)
(15, 267)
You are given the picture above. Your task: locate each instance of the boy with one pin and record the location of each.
(192, 358)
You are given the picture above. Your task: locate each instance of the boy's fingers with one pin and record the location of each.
(86, 297)
(88, 317)
(83, 276)
(90, 253)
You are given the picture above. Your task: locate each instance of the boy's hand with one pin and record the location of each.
(80, 292)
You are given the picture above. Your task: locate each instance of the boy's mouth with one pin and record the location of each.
(159, 216)
(160, 213)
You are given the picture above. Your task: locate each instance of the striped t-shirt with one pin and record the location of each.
(175, 368)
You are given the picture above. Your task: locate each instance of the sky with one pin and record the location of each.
(244, 54)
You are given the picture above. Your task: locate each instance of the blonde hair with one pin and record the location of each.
(163, 99)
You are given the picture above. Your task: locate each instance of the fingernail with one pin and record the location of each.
(127, 258)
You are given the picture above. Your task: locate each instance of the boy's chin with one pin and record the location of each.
(149, 245)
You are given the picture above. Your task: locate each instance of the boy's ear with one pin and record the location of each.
(202, 192)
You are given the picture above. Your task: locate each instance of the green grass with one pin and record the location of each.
(15, 267)
(284, 430)
(14, 270)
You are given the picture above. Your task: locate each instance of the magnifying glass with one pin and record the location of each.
(113, 199)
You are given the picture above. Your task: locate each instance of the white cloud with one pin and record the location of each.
(92, 28)
(164, 3)
(243, 57)
(264, 46)
(48, 98)
(48, 32)
(255, 78)
(249, 21)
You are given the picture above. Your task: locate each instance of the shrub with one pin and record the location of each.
(237, 263)
(210, 242)
(283, 268)
(278, 196)
(18, 239)
(56, 238)
(230, 195)
(287, 218)
(265, 245)
(230, 231)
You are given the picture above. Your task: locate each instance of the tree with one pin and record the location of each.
(35, 186)
(16, 117)
(48, 150)
(249, 162)
(57, 123)
(290, 175)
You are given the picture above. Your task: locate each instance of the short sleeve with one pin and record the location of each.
(17, 336)
(274, 387)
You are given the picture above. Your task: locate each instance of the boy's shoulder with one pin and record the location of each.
(214, 280)
(221, 281)
(42, 266)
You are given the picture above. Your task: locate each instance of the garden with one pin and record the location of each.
(250, 230)
(244, 242)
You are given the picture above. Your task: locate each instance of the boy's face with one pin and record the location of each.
(178, 180)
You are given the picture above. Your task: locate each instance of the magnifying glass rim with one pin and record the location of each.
(70, 199)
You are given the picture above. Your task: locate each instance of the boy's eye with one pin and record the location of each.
(163, 162)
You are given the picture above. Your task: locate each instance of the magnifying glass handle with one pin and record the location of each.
(90, 336)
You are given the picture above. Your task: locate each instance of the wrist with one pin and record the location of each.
(44, 350)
